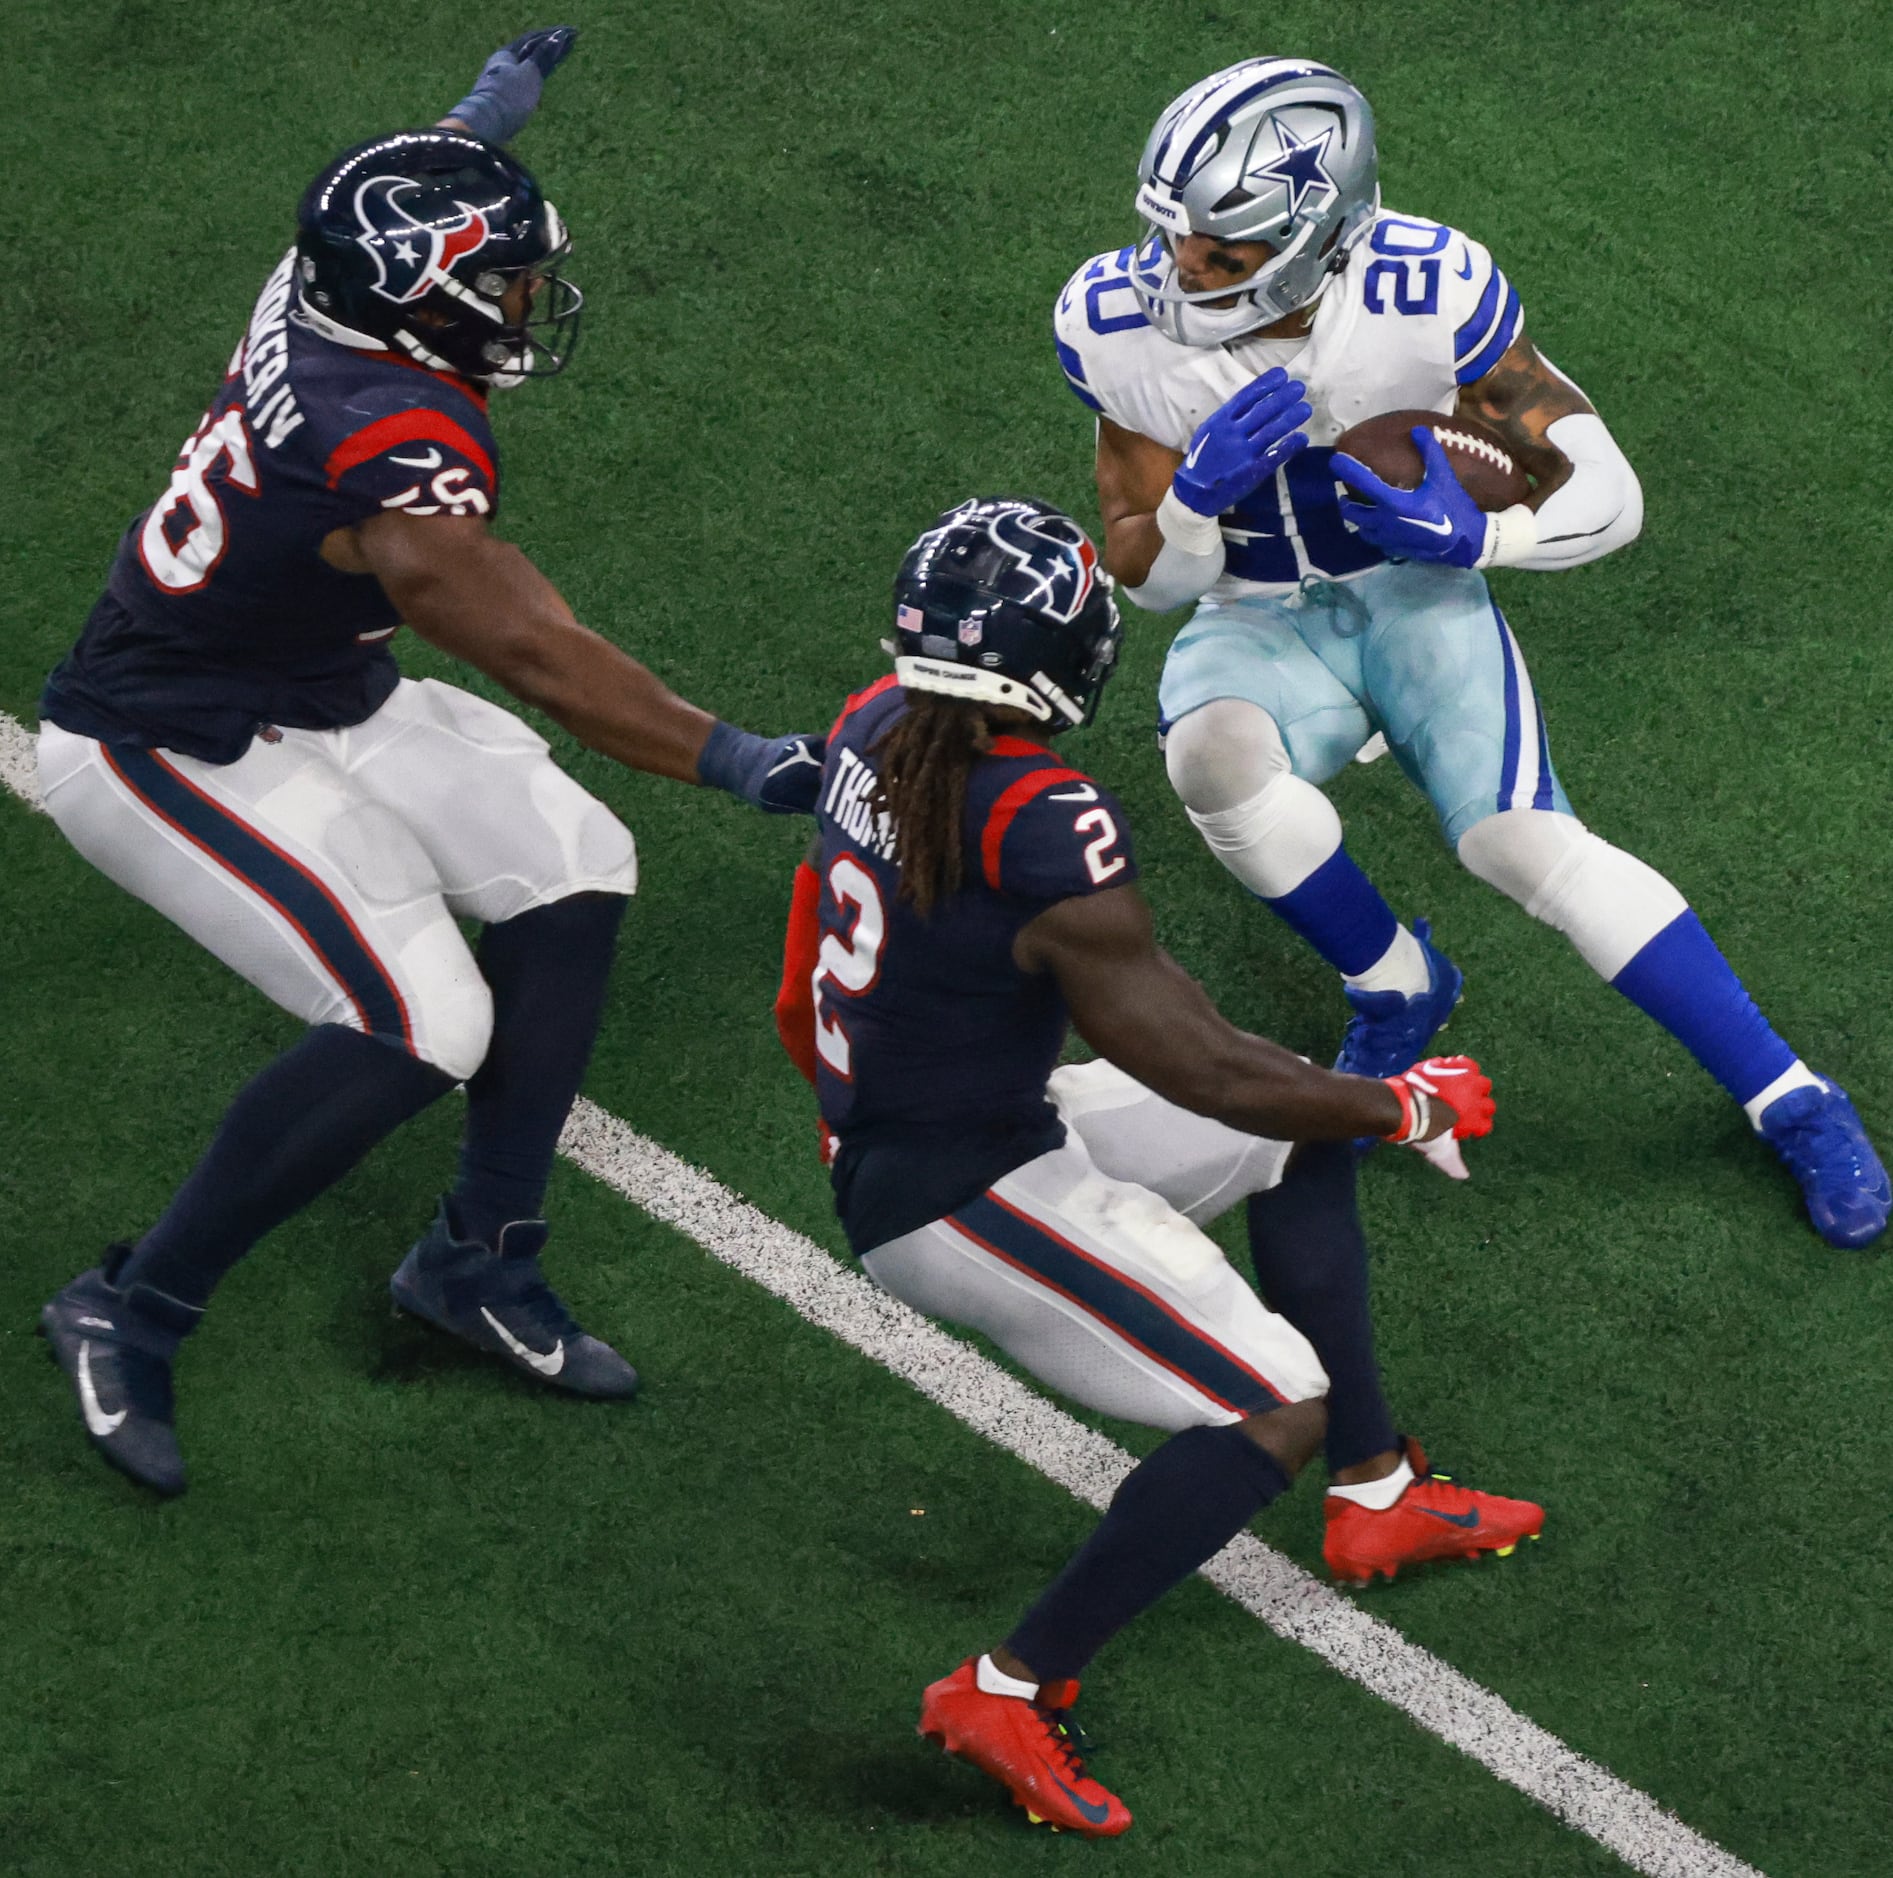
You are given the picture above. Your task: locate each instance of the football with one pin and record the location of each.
(1485, 467)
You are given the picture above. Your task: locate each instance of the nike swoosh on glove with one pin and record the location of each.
(1457, 1082)
(507, 91)
(1437, 521)
(782, 775)
(1239, 446)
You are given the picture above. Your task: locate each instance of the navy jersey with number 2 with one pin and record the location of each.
(932, 1047)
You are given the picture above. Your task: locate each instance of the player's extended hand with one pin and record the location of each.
(1239, 446)
(780, 774)
(1445, 1095)
(507, 91)
(1436, 522)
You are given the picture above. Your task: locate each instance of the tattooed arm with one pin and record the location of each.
(1585, 499)
(1521, 398)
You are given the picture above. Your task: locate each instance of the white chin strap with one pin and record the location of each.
(968, 681)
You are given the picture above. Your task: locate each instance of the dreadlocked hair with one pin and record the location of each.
(924, 761)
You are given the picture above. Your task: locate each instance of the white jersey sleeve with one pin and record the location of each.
(1480, 305)
(1116, 362)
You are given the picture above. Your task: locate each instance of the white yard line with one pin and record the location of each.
(988, 1399)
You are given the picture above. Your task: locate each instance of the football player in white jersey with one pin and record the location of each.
(1271, 304)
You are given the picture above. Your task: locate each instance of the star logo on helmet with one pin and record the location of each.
(1298, 166)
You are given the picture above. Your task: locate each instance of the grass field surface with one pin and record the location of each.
(414, 1617)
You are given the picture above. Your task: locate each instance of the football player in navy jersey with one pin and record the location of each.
(231, 740)
(970, 895)
(1271, 304)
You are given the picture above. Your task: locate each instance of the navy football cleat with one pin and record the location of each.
(500, 1302)
(1819, 1138)
(117, 1347)
(1389, 1031)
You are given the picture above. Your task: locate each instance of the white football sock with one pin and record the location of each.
(995, 1681)
(1796, 1076)
(1402, 968)
(1377, 1495)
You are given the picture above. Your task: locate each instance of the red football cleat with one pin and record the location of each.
(1026, 1747)
(1433, 1519)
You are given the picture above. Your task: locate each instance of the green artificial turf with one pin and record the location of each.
(415, 1617)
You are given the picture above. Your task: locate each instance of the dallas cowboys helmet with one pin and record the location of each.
(1003, 600)
(1274, 150)
(409, 243)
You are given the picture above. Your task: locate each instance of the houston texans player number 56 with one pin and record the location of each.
(231, 740)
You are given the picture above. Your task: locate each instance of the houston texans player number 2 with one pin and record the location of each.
(971, 895)
(1271, 305)
(231, 741)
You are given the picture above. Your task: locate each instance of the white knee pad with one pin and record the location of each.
(451, 1012)
(1607, 903)
(1269, 828)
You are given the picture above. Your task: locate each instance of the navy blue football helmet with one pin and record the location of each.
(1003, 600)
(410, 243)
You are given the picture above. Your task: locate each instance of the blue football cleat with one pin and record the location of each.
(1820, 1139)
(1389, 1031)
(117, 1347)
(500, 1302)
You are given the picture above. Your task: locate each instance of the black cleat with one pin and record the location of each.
(500, 1302)
(117, 1347)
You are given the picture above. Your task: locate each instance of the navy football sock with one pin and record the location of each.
(294, 1130)
(548, 971)
(1683, 981)
(1311, 1268)
(1177, 1508)
(1339, 911)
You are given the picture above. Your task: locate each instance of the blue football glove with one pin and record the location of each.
(1436, 522)
(780, 774)
(1240, 446)
(507, 92)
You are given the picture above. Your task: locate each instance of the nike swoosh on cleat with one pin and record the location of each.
(96, 1419)
(1093, 1812)
(1468, 1520)
(96, 1323)
(548, 1365)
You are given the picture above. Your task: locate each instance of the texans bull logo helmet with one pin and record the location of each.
(1003, 600)
(413, 243)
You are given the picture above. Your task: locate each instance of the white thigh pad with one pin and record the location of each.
(507, 829)
(1198, 1166)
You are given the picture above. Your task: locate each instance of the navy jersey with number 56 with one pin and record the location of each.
(932, 1046)
(220, 615)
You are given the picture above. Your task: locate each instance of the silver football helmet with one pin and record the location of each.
(1274, 150)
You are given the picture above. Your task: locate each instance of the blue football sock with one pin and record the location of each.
(294, 1130)
(1681, 980)
(547, 970)
(1339, 911)
(1311, 1268)
(1177, 1508)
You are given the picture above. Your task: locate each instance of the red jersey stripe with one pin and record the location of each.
(421, 426)
(1011, 800)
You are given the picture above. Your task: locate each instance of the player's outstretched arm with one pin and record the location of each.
(1586, 500)
(478, 597)
(506, 93)
(1139, 1009)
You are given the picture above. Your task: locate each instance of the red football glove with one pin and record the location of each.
(1458, 1082)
